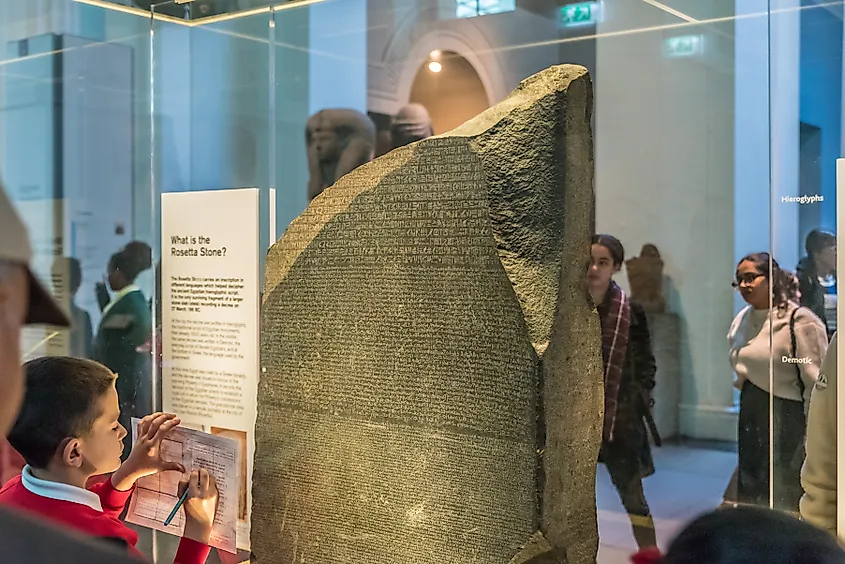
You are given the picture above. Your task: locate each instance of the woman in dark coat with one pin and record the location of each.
(125, 327)
(629, 378)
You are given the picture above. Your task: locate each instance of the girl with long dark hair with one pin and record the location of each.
(629, 370)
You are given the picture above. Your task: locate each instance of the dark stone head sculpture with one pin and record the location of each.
(411, 124)
(339, 141)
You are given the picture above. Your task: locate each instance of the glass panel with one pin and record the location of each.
(667, 132)
(214, 122)
(74, 156)
(808, 227)
(667, 135)
(715, 130)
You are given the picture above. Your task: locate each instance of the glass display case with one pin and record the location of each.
(199, 131)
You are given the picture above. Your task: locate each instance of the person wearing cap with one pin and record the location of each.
(23, 301)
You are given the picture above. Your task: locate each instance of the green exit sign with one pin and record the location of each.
(683, 46)
(582, 13)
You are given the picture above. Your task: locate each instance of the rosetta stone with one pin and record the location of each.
(431, 382)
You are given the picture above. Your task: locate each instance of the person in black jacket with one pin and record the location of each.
(817, 277)
(629, 378)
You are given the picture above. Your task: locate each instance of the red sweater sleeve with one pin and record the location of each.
(191, 552)
(113, 500)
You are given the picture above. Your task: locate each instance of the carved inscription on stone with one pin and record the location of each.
(400, 415)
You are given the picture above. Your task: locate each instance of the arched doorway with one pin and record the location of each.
(453, 95)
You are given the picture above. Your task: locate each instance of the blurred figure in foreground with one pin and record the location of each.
(747, 535)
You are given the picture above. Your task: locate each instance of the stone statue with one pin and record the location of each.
(338, 141)
(645, 276)
(411, 124)
(431, 373)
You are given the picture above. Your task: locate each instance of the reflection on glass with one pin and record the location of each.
(817, 277)
(125, 327)
(67, 274)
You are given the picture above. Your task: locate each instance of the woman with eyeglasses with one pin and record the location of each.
(779, 375)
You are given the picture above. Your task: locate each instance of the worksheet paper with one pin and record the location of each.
(156, 496)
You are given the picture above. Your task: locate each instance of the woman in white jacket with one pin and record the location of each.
(818, 506)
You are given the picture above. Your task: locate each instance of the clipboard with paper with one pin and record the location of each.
(155, 496)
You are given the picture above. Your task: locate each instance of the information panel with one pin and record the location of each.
(210, 305)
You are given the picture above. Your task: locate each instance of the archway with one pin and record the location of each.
(453, 95)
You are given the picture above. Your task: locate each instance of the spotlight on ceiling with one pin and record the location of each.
(435, 66)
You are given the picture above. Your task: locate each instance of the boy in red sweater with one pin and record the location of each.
(68, 431)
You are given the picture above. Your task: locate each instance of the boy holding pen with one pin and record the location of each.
(68, 431)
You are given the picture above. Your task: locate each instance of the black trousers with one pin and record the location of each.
(780, 452)
(629, 485)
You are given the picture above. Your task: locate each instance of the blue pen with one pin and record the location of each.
(176, 509)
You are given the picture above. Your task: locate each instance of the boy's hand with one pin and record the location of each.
(200, 506)
(145, 458)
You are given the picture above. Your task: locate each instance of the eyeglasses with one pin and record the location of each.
(747, 279)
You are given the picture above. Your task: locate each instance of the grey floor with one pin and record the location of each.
(687, 482)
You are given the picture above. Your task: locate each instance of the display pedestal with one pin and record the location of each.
(665, 331)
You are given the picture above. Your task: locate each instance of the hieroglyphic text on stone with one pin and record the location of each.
(401, 412)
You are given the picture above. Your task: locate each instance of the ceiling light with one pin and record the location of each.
(434, 66)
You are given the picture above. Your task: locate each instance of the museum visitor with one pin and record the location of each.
(817, 277)
(798, 345)
(629, 370)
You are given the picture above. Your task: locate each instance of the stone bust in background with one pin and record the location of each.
(411, 124)
(338, 141)
(645, 276)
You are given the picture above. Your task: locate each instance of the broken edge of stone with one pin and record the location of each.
(529, 91)
(537, 551)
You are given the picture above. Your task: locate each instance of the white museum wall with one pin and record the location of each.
(664, 175)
